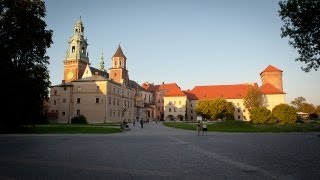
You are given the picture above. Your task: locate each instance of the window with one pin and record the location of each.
(191, 117)
(78, 112)
(73, 49)
(78, 88)
(63, 113)
(118, 102)
(114, 101)
(97, 100)
(174, 102)
(110, 112)
(98, 88)
(64, 100)
(115, 74)
(238, 117)
(82, 50)
(114, 113)
(169, 109)
(244, 110)
(238, 110)
(191, 111)
(65, 88)
(110, 100)
(78, 100)
(120, 63)
(55, 92)
(237, 104)
(179, 102)
(54, 102)
(174, 109)
(191, 104)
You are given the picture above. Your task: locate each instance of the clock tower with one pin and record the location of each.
(118, 71)
(77, 56)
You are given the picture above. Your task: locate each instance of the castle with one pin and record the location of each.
(111, 96)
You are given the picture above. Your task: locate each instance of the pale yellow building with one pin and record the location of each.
(98, 95)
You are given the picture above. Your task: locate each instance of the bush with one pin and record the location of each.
(261, 115)
(285, 114)
(79, 120)
(313, 116)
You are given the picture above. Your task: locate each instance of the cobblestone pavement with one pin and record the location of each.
(159, 152)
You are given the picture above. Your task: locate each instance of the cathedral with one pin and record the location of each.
(110, 96)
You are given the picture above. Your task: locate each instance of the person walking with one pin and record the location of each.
(199, 127)
(141, 122)
(204, 127)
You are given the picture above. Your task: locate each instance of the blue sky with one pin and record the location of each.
(190, 42)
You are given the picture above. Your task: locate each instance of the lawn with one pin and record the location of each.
(71, 128)
(241, 126)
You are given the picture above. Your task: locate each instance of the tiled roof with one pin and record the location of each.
(271, 68)
(235, 91)
(270, 89)
(102, 73)
(175, 93)
(119, 53)
(190, 95)
(164, 88)
(92, 78)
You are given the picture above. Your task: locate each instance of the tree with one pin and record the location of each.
(297, 103)
(253, 98)
(308, 108)
(285, 114)
(302, 25)
(23, 65)
(214, 109)
(261, 115)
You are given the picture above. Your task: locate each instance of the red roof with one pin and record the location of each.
(236, 91)
(119, 53)
(270, 89)
(170, 89)
(271, 68)
(190, 95)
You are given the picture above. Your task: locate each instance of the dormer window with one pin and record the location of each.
(82, 50)
(73, 49)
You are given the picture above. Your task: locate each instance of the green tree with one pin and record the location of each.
(308, 108)
(253, 98)
(214, 109)
(302, 25)
(318, 109)
(285, 114)
(261, 115)
(297, 103)
(23, 65)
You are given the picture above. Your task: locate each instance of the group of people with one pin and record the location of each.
(202, 126)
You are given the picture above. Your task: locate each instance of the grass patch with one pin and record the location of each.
(70, 128)
(241, 126)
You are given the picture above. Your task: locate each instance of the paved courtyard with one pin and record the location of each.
(159, 152)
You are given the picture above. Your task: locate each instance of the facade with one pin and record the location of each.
(111, 96)
(184, 110)
(98, 95)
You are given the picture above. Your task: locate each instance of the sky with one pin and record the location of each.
(188, 42)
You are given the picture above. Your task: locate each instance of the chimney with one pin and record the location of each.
(162, 83)
(63, 81)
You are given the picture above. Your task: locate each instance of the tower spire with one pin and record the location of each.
(102, 63)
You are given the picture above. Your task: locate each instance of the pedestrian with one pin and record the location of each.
(141, 122)
(204, 127)
(199, 127)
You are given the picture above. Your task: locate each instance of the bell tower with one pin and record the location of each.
(273, 76)
(118, 71)
(77, 56)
